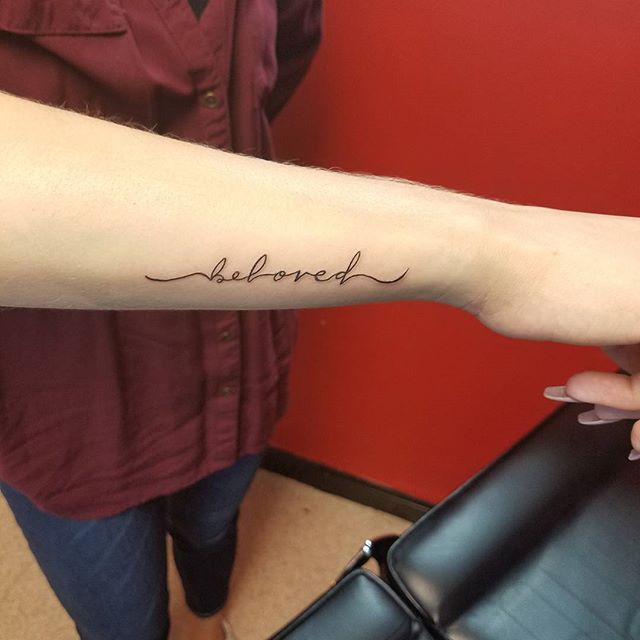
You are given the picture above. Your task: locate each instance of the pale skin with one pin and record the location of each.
(88, 208)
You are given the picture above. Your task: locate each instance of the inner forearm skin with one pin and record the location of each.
(96, 215)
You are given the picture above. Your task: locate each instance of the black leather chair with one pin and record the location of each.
(544, 544)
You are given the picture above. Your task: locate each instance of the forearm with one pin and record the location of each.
(96, 215)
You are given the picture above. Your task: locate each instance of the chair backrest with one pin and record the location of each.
(469, 547)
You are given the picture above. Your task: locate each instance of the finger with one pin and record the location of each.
(606, 412)
(602, 388)
(601, 414)
(635, 441)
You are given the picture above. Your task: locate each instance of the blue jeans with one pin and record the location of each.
(110, 574)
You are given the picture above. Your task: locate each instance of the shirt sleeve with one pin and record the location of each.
(299, 31)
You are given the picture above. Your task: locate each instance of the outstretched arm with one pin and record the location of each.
(98, 215)
(95, 215)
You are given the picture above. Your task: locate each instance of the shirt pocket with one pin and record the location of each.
(61, 17)
(80, 54)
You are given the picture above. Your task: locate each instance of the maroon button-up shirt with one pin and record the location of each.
(103, 410)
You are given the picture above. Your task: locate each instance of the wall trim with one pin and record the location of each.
(344, 485)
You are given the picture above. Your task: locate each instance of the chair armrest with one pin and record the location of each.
(360, 607)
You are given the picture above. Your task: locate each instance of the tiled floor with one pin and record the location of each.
(294, 540)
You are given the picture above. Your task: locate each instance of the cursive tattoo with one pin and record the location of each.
(217, 274)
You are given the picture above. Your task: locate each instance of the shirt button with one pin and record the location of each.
(210, 99)
(225, 336)
(226, 390)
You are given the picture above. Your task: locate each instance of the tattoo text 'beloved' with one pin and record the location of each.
(219, 276)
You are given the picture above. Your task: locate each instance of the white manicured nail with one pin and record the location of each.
(590, 417)
(558, 393)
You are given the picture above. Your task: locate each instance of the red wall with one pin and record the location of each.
(526, 101)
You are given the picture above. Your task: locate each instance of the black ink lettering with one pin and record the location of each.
(258, 265)
(217, 273)
(217, 270)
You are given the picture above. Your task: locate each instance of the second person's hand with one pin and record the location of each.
(614, 396)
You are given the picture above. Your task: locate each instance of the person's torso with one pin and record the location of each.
(149, 62)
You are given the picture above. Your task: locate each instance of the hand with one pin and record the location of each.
(562, 276)
(615, 396)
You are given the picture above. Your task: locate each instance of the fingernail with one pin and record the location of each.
(558, 393)
(634, 455)
(591, 417)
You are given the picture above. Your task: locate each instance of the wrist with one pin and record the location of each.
(508, 254)
(459, 249)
